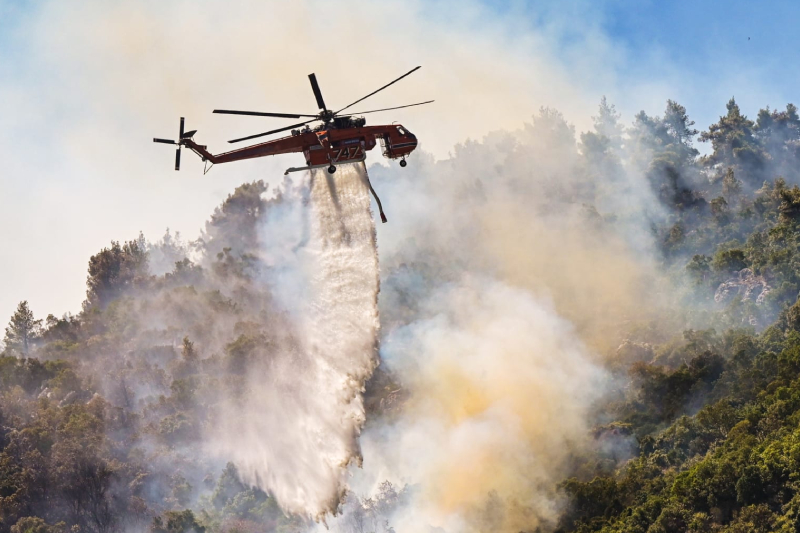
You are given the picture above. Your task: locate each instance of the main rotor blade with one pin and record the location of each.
(259, 114)
(271, 132)
(379, 90)
(180, 135)
(317, 93)
(385, 109)
(178, 158)
(165, 141)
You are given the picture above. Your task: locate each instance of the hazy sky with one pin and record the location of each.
(85, 85)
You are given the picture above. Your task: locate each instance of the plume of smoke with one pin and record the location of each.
(500, 392)
(294, 430)
(522, 207)
(496, 314)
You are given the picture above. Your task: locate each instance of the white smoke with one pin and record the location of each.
(501, 295)
(501, 390)
(295, 429)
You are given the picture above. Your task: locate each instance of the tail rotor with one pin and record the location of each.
(181, 137)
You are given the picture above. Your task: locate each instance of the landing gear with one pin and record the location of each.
(403, 163)
(331, 169)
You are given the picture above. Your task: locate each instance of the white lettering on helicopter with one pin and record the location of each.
(348, 153)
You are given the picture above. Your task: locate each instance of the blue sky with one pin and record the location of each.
(12, 14)
(85, 85)
(697, 38)
(696, 34)
(700, 43)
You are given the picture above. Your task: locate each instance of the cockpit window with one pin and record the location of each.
(401, 130)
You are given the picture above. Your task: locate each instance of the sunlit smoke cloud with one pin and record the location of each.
(503, 289)
(500, 391)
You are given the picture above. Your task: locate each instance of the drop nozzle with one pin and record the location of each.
(377, 200)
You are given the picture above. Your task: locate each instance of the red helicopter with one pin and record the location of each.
(337, 140)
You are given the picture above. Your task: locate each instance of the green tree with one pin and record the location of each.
(22, 330)
(177, 522)
(789, 207)
(699, 268)
(113, 271)
(33, 524)
(731, 187)
(187, 350)
(80, 473)
(678, 125)
(729, 261)
(719, 210)
(602, 146)
(235, 224)
(779, 134)
(662, 147)
(733, 141)
(607, 124)
(227, 487)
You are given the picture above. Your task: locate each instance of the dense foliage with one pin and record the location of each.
(705, 436)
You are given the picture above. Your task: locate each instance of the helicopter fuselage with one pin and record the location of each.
(323, 146)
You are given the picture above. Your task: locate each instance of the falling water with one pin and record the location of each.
(296, 429)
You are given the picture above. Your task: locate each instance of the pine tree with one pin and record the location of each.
(734, 143)
(602, 150)
(662, 148)
(607, 124)
(778, 133)
(187, 351)
(678, 124)
(607, 135)
(776, 128)
(731, 187)
(114, 270)
(22, 330)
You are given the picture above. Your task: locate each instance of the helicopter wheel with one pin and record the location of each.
(403, 163)
(331, 169)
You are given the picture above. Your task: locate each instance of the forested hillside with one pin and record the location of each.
(705, 437)
(103, 413)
